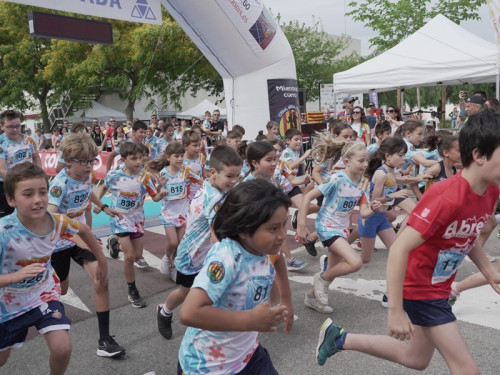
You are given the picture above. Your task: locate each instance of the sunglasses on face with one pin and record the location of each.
(390, 111)
(356, 112)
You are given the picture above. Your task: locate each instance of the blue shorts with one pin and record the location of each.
(46, 317)
(429, 312)
(260, 363)
(370, 227)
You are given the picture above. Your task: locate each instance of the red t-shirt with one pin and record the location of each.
(449, 218)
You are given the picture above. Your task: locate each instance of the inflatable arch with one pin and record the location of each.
(244, 43)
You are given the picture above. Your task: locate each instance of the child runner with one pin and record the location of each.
(193, 159)
(15, 148)
(225, 167)
(70, 194)
(382, 130)
(342, 193)
(261, 157)
(233, 139)
(151, 140)
(272, 128)
(165, 140)
(128, 187)
(423, 261)
(29, 287)
(228, 303)
(175, 204)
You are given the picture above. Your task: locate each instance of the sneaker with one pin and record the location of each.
(164, 323)
(323, 263)
(321, 288)
(311, 249)
(165, 265)
(109, 348)
(294, 264)
(173, 274)
(294, 219)
(313, 303)
(113, 246)
(135, 299)
(385, 301)
(141, 263)
(327, 343)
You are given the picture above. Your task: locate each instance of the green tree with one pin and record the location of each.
(317, 54)
(393, 21)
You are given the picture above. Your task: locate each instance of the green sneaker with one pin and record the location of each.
(328, 336)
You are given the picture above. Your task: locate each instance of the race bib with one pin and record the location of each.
(346, 204)
(258, 290)
(127, 203)
(29, 284)
(447, 264)
(19, 156)
(176, 191)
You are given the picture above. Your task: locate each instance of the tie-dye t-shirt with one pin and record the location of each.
(341, 196)
(16, 152)
(233, 279)
(196, 242)
(19, 248)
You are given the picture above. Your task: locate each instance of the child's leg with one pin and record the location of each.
(180, 234)
(129, 257)
(342, 260)
(101, 292)
(175, 298)
(60, 348)
(172, 241)
(4, 356)
(367, 246)
(138, 246)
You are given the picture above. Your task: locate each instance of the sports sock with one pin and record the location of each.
(164, 311)
(131, 286)
(103, 323)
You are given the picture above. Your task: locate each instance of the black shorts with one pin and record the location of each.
(329, 241)
(295, 191)
(319, 200)
(430, 312)
(185, 280)
(5, 209)
(61, 260)
(133, 235)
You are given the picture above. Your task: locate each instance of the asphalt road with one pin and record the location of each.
(355, 299)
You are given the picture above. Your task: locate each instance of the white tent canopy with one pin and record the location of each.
(441, 52)
(98, 111)
(199, 110)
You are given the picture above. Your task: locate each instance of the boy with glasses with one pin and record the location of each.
(15, 148)
(70, 193)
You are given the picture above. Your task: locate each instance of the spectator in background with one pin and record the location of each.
(345, 115)
(394, 117)
(327, 116)
(39, 139)
(454, 117)
(97, 136)
(370, 118)
(435, 120)
(493, 104)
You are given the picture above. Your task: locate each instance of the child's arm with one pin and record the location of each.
(478, 256)
(398, 323)
(198, 311)
(302, 231)
(316, 174)
(99, 194)
(283, 285)
(29, 271)
(292, 164)
(109, 162)
(108, 211)
(294, 180)
(159, 196)
(420, 159)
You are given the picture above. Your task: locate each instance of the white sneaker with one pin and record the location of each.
(315, 304)
(321, 288)
(173, 274)
(323, 263)
(165, 265)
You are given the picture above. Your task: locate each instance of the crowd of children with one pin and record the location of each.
(224, 209)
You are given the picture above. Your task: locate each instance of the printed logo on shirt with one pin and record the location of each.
(466, 228)
(425, 212)
(215, 272)
(56, 191)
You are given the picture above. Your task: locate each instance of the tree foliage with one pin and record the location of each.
(394, 20)
(156, 62)
(317, 54)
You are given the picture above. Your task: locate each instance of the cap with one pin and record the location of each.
(430, 123)
(476, 99)
(348, 99)
(371, 104)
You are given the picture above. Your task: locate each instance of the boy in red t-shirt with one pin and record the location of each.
(423, 261)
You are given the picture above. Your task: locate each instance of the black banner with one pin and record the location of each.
(284, 103)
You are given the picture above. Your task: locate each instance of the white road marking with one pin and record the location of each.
(72, 299)
(478, 306)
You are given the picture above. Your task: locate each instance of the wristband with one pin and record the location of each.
(104, 206)
(388, 197)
